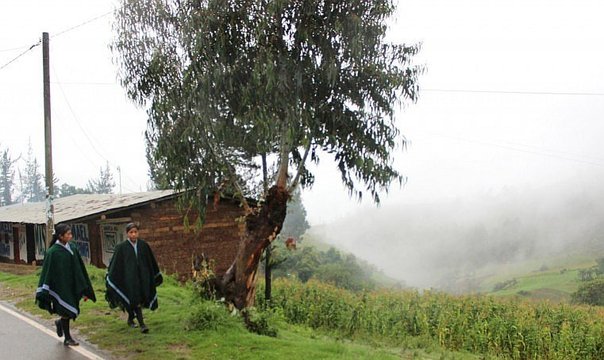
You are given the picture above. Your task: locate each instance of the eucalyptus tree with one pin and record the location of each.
(227, 81)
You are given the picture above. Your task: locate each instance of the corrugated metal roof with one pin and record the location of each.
(77, 206)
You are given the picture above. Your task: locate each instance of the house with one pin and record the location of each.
(98, 223)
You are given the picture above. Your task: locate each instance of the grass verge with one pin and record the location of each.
(171, 337)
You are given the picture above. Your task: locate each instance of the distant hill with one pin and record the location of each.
(465, 245)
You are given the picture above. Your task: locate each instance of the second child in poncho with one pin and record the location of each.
(132, 278)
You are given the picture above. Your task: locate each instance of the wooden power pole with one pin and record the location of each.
(47, 142)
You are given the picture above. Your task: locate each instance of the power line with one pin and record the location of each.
(21, 54)
(127, 177)
(84, 83)
(52, 37)
(543, 152)
(76, 118)
(470, 91)
(81, 24)
(13, 49)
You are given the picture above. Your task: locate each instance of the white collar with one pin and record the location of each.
(66, 246)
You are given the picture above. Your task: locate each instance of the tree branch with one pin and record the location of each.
(232, 173)
(294, 183)
(283, 159)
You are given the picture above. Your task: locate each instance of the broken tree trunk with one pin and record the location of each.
(261, 227)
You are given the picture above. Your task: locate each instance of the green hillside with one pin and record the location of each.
(553, 279)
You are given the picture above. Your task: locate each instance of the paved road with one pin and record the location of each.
(21, 338)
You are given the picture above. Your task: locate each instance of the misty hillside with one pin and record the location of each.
(439, 244)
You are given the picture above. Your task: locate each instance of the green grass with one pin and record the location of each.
(169, 339)
(556, 284)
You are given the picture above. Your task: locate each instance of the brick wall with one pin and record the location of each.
(162, 227)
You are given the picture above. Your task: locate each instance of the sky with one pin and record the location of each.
(512, 96)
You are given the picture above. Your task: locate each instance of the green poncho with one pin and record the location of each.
(63, 282)
(131, 279)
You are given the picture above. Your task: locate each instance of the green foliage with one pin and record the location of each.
(209, 315)
(329, 266)
(32, 185)
(227, 80)
(204, 278)
(68, 190)
(103, 184)
(505, 285)
(481, 325)
(590, 292)
(347, 274)
(587, 274)
(7, 178)
(295, 224)
(169, 340)
(600, 266)
(261, 322)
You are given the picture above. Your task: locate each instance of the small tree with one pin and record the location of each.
(32, 188)
(295, 224)
(7, 178)
(590, 292)
(68, 190)
(103, 184)
(600, 266)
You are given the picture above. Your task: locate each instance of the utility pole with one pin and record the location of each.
(47, 142)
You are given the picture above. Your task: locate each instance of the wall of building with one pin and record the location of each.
(162, 227)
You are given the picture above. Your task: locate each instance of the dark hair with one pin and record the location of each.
(60, 229)
(131, 226)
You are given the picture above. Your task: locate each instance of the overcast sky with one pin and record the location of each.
(513, 96)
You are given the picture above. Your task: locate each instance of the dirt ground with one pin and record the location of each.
(17, 269)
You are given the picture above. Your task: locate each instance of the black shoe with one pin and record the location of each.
(70, 342)
(141, 322)
(59, 328)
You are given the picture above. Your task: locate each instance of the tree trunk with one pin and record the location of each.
(238, 285)
(268, 275)
(267, 255)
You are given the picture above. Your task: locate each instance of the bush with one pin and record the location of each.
(209, 315)
(260, 322)
(505, 285)
(590, 292)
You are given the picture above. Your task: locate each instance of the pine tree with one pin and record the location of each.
(103, 184)
(32, 185)
(7, 178)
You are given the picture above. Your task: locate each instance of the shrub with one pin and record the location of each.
(209, 315)
(590, 292)
(260, 322)
(505, 285)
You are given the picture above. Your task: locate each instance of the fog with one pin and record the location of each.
(504, 159)
(442, 243)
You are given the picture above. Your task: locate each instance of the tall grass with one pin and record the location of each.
(478, 324)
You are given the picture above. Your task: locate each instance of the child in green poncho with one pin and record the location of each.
(132, 278)
(63, 282)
